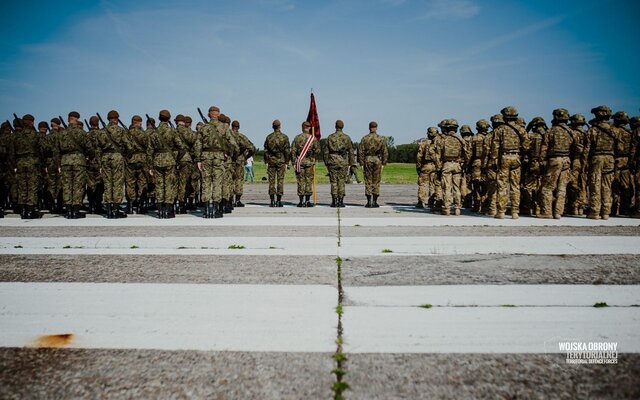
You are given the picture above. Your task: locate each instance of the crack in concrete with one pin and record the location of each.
(340, 385)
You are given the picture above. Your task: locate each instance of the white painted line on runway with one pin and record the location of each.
(493, 295)
(350, 246)
(286, 318)
(486, 330)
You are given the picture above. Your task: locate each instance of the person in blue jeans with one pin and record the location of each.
(248, 169)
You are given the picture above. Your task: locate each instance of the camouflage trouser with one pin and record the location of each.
(13, 187)
(304, 179)
(426, 182)
(622, 187)
(508, 180)
(372, 171)
(238, 178)
(196, 183)
(452, 181)
(74, 179)
(478, 187)
(113, 177)
(227, 180)
(275, 173)
(52, 179)
(4, 186)
(637, 180)
(165, 181)
(95, 186)
(465, 190)
(337, 178)
(577, 188)
(530, 190)
(136, 181)
(489, 201)
(212, 174)
(556, 178)
(26, 183)
(184, 171)
(601, 169)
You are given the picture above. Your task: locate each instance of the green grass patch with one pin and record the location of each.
(17, 247)
(425, 305)
(393, 173)
(133, 246)
(339, 309)
(236, 247)
(507, 305)
(601, 304)
(387, 251)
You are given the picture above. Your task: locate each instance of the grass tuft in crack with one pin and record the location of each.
(425, 305)
(236, 247)
(601, 304)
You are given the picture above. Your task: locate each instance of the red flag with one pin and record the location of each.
(312, 118)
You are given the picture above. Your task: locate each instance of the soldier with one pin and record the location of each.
(600, 147)
(113, 144)
(426, 167)
(6, 164)
(490, 169)
(54, 180)
(558, 150)
(622, 186)
(276, 155)
(246, 150)
(151, 187)
(452, 156)
(72, 149)
(532, 168)
(465, 191)
(478, 188)
(635, 164)
(338, 155)
(136, 173)
(27, 155)
(95, 185)
(185, 164)
(577, 188)
(209, 150)
(196, 178)
(304, 151)
(229, 163)
(372, 155)
(508, 140)
(18, 127)
(44, 200)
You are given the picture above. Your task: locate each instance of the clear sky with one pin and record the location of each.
(406, 64)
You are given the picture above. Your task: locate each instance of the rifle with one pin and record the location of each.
(15, 116)
(171, 124)
(148, 119)
(104, 126)
(123, 125)
(202, 116)
(62, 122)
(11, 127)
(87, 124)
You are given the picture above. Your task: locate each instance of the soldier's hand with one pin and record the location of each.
(199, 164)
(46, 170)
(151, 172)
(59, 170)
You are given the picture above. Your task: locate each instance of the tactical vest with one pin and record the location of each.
(427, 156)
(510, 140)
(560, 141)
(605, 142)
(624, 146)
(476, 147)
(536, 146)
(452, 148)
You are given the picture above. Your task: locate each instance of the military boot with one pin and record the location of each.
(1, 212)
(273, 202)
(301, 202)
(333, 201)
(308, 202)
(238, 202)
(117, 212)
(420, 205)
(279, 202)
(226, 207)
(231, 203)
(171, 211)
(217, 210)
(457, 211)
(341, 201)
(162, 210)
(76, 212)
(499, 215)
(69, 213)
(368, 205)
(129, 207)
(375, 201)
(33, 213)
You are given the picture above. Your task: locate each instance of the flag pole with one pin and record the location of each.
(314, 169)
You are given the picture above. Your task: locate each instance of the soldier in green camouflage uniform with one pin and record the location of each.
(577, 188)
(13, 187)
(453, 154)
(426, 160)
(95, 185)
(532, 168)
(72, 149)
(277, 152)
(195, 190)
(635, 164)
(622, 185)
(476, 148)
(113, 144)
(508, 140)
(600, 147)
(185, 163)
(6, 164)
(137, 169)
(338, 156)
(27, 156)
(43, 192)
(558, 150)
(465, 190)
(304, 174)
(246, 150)
(229, 165)
(372, 155)
(210, 148)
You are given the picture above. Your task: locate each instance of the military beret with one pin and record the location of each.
(74, 114)
(509, 112)
(235, 124)
(17, 123)
(179, 118)
(227, 120)
(578, 119)
(56, 121)
(80, 124)
(222, 118)
(28, 117)
(276, 123)
(136, 118)
(373, 124)
(306, 124)
(618, 116)
(601, 110)
(164, 114)
(188, 119)
(497, 119)
(482, 124)
(214, 108)
(43, 124)
(93, 121)
(339, 124)
(113, 114)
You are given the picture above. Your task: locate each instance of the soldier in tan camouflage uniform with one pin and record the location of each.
(137, 170)
(476, 150)
(27, 156)
(635, 164)
(338, 156)
(372, 155)
(533, 168)
(304, 175)
(276, 155)
(184, 163)
(453, 154)
(490, 169)
(426, 160)
(622, 185)
(507, 142)
(559, 147)
(246, 150)
(600, 147)
(577, 188)
(6, 164)
(465, 190)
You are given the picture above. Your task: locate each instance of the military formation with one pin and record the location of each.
(506, 167)
(511, 167)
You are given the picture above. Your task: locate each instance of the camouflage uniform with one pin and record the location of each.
(372, 155)
(622, 185)
(338, 156)
(635, 152)
(453, 154)
(426, 160)
(476, 151)
(95, 184)
(276, 155)
(112, 143)
(137, 170)
(304, 177)
(533, 168)
(577, 188)
(51, 176)
(246, 150)
(229, 164)
(558, 150)
(600, 147)
(6, 164)
(185, 165)
(507, 142)
(27, 156)
(209, 150)
(466, 190)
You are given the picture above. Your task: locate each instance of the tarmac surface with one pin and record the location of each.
(93, 308)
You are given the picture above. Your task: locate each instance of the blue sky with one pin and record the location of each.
(406, 64)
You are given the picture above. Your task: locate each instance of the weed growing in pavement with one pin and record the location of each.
(236, 247)
(425, 305)
(601, 304)
(387, 251)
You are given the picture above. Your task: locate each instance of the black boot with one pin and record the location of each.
(273, 201)
(238, 202)
(341, 202)
(279, 202)
(117, 212)
(142, 206)
(333, 201)
(33, 213)
(76, 212)
(69, 212)
(208, 210)
(170, 213)
(217, 210)
(225, 207)
(368, 205)
(161, 211)
(181, 208)
(190, 206)
(107, 212)
(129, 207)
(230, 203)
(301, 203)
(308, 202)
(375, 201)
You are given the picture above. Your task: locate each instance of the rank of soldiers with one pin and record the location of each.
(571, 168)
